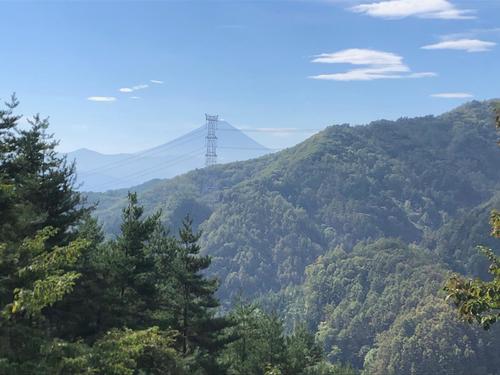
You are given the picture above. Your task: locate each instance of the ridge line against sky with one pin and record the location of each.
(119, 76)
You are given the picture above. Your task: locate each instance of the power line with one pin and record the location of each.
(134, 176)
(210, 155)
(138, 156)
(188, 138)
(176, 142)
(250, 148)
(274, 130)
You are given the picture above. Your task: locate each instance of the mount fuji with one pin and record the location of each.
(100, 172)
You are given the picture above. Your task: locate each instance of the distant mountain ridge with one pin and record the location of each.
(101, 172)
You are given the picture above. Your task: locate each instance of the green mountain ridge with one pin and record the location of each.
(272, 216)
(354, 232)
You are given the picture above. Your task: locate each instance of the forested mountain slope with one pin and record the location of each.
(272, 216)
(354, 232)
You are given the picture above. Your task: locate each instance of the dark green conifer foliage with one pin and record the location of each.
(242, 356)
(38, 244)
(302, 351)
(274, 340)
(12, 210)
(201, 332)
(133, 267)
(86, 312)
(261, 346)
(44, 181)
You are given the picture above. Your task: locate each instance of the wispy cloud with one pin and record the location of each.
(101, 98)
(156, 81)
(133, 88)
(472, 33)
(468, 45)
(377, 65)
(135, 97)
(396, 9)
(453, 95)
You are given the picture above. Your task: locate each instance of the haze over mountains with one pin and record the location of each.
(101, 172)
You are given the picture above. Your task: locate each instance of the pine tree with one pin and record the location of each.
(133, 268)
(13, 212)
(37, 252)
(261, 347)
(302, 351)
(44, 181)
(243, 355)
(201, 332)
(274, 348)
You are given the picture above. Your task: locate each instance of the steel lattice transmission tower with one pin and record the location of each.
(211, 140)
(211, 143)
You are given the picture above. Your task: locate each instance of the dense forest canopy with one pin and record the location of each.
(328, 258)
(354, 231)
(271, 217)
(72, 302)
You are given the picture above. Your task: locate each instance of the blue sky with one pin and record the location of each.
(259, 64)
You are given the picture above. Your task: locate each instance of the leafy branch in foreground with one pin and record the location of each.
(478, 300)
(45, 280)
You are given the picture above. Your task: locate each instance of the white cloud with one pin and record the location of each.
(101, 98)
(377, 65)
(158, 82)
(468, 45)
(133, 88)
(472, 33)
(422, 75)
(396, 9)
(135, 97)
(357, 56)
(453, 95)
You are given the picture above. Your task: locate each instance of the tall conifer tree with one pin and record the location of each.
(201, 332)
